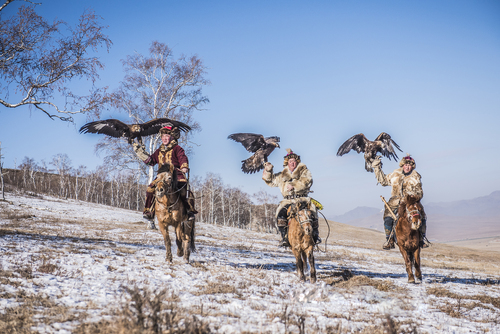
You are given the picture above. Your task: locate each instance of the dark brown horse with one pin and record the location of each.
(301, 239)
(170, 211)
(408, 236)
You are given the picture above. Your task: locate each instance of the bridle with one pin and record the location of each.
(169, 208)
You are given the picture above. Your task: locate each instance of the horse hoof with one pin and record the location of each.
(180, 253)
(411, 280)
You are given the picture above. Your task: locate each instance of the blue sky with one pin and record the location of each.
(313, 73)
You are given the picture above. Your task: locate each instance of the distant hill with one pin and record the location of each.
(358, 213)
(485, 206)
(447, 221)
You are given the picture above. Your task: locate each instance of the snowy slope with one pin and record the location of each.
(80, 256)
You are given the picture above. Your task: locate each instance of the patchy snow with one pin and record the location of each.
(237, 281)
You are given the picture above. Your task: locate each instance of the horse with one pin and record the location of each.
(171, 211)
(300, 238)
(410, 213)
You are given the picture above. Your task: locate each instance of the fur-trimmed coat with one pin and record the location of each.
(300, 179)
(401, 184)
(172, 154)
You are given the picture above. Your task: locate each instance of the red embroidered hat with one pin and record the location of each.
(170, 129)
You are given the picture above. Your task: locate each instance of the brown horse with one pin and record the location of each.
(408, 236)
(170, 211)
(301, 239)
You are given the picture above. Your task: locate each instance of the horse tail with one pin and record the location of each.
(192, 247)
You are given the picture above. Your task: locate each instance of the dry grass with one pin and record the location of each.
(21, 318)
(149, 313)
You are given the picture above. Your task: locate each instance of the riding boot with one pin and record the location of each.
(388, 226)
(315, 226)
(284, 236)
(423, 229)
(191, 209)
(149, 212)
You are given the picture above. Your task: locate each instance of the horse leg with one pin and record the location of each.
(406, 257)
(299, 263)
(310, 257)
(168, 245)
(178, 240)
(418, 272)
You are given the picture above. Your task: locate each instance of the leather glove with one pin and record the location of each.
(268, 166)
(140, 151)
(377, 162)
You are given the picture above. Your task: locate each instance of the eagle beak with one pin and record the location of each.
(277, 145)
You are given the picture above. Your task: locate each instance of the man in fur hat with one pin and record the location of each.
(171, 153)
(294, 181)
(404, 181)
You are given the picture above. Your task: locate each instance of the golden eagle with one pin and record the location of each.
(116, 128)
(257, 144)
(383, 144)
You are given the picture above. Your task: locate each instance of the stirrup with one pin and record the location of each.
(318, 240)
(284, 243)
(191, 216)
(148, 215)
(389, 244)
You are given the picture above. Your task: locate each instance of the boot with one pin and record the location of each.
(315, 226)
(190, 205)
(148, 212)
(423, 239)
(389, 244)
(284, 237)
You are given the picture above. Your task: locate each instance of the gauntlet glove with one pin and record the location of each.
(140, 151)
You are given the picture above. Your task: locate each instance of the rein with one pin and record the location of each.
(169, 208)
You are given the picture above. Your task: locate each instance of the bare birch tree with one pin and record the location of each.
(156, 86)
(39, 59)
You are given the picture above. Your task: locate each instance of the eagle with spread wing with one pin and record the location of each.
(116, 128)
(383, 144)
(257, 144)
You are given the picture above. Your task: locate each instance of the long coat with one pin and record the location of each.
(172, 154)
(401, 184)
(300, 179)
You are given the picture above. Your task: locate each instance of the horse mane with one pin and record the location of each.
(408, 200)
(165, 168)
(168, 168)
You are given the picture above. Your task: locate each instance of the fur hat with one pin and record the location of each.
(290, 155)
(172, 130)
(408, 160)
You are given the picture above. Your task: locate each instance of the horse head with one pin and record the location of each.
(303, 215)
(413, 210)
(166, 180)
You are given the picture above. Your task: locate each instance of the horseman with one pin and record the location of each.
(294, 181)
(404, 181)
(171, 153)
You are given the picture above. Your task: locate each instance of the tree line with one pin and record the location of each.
(216, 202)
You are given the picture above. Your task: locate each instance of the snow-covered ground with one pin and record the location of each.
(80, 258)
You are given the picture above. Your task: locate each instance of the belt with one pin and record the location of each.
(294, 196)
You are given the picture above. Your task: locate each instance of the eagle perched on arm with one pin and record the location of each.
(257, 144)
(382, 144)
(116, 128)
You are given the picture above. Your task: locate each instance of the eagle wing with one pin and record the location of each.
(110, 127)
(153, 126)
(251, 142)
(385, 145)
(357, 142)
(255, 163)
